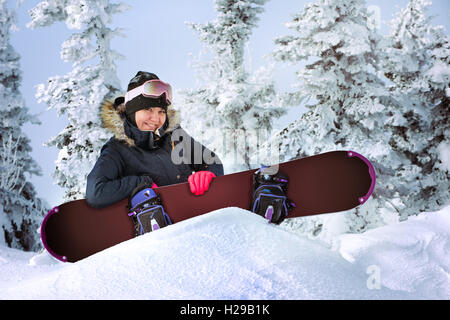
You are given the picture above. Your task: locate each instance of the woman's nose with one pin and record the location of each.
(153, 115)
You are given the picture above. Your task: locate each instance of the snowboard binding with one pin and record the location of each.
(269, 195)
(146, 211)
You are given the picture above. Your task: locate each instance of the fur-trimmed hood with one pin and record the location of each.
(113, 120)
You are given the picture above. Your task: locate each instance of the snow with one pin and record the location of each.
(234, 254)
(444, 155)
(413, 256)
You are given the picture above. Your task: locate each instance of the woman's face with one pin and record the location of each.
(150, 119)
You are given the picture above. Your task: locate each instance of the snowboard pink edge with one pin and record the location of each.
(44, 238)
(371, 172)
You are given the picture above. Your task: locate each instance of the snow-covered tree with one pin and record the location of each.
(416, 59)
(232, 110)
(79, 93)
(348, 103)
(352, 109)
(21, 211)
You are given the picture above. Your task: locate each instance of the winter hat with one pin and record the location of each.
(140, 102)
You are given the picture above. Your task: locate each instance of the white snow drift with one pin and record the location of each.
(234, 254)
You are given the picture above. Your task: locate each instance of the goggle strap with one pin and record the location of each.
(130, 95)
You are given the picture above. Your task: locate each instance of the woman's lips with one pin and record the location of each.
(151, 125)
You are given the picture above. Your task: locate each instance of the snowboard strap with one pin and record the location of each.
(269, 195)
(146, 211)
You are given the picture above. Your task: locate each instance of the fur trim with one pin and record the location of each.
(112, 120)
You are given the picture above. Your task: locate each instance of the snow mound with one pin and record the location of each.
(234, 254)
(411, 256)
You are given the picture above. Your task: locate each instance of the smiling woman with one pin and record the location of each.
(141, 151)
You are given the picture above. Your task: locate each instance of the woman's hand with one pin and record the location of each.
(199, 181)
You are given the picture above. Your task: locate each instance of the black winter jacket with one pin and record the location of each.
(131, 158)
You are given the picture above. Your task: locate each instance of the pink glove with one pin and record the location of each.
(154, 186)
(199, 181)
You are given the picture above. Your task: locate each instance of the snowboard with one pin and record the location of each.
(329, 182)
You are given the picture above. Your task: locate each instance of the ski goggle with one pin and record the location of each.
(151, 89)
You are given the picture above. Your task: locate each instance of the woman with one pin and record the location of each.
(144, 146)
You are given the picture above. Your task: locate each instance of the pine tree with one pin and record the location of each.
(348, 103)
(21, 211)
(352, 109)
(416, 59)
(233, 110)
(79, 93)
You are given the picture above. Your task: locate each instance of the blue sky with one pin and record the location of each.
(165, 53)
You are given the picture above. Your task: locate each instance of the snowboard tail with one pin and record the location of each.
(325, 183)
